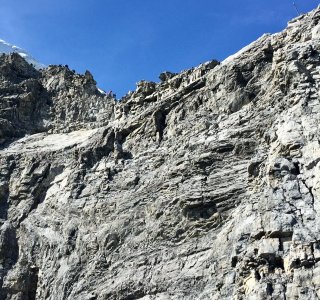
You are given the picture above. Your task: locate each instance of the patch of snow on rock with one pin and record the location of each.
(8, 48)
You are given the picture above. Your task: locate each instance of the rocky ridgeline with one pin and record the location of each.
(54, 99)
(203, 186)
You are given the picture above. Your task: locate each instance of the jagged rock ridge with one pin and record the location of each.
(204, 186)
(6, 48)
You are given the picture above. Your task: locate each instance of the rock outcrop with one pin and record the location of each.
(203, 186)
(7, 48)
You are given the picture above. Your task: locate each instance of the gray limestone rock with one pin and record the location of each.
(203, 186)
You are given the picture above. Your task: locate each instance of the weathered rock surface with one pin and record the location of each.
(204, 186)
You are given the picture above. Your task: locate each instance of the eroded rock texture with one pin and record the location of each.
(204, 186)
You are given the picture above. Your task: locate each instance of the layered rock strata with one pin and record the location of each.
(203, 186)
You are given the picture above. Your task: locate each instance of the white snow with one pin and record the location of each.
(101, 91)
(8, 48)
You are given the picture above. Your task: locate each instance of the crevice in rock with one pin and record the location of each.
(310, 191)
(32, 283)
(280, 234)
(39, 185)
(78, 183)
(254, 168)
(120, 138)
(198, 84)
(296, 170)
(195, 211)
(270, 289)
(9, 254)
(159, 118)
(278, 262)
(224, 148)
(234, 261)
(4, 188)
(296, 263)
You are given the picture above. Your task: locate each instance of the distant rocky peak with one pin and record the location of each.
(15, 68)
(7, 48)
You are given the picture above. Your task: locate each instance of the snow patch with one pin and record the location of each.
(101, 91)
(7, 48)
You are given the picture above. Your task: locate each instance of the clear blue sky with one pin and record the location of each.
(123, 41)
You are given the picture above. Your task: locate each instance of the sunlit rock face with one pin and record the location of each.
(203, 186)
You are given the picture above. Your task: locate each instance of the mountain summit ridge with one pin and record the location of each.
(7, 48)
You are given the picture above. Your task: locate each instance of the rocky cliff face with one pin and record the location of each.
(204, 186)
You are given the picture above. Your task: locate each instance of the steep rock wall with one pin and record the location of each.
(204, 186)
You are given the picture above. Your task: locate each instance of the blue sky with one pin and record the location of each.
(124, 41)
